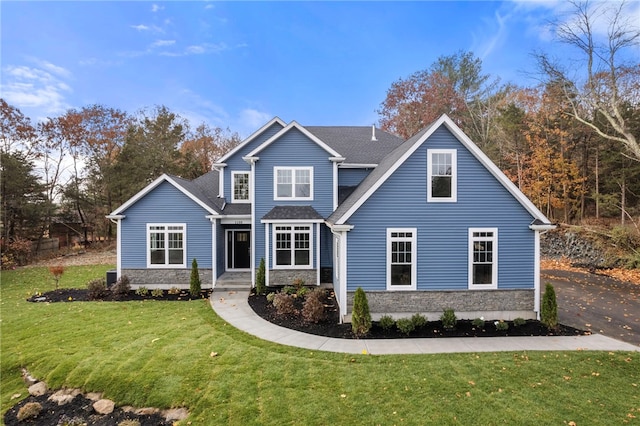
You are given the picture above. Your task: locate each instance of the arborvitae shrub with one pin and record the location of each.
(549, 308)
(195, 284)
(386, 322)
(97, 288)
(313, 309)
(284, 304)
(360, 317)
(122, 287)
(405, 325)
(418, 320)
(449, 319)
(261, 287)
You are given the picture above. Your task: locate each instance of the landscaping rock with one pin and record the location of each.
(176, 414)
(104, 406)
(63, 396)
(146, 411)
(94, 396)
(38, 389)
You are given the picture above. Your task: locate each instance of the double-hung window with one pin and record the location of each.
(166, 245)
(293, 183)
(442, 179)
(240, 190)
(401, 258)
(483, 258)
(292, 246)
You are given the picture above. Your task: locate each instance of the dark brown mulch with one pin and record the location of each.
(82, 295)
(77, 412)
(329, 326)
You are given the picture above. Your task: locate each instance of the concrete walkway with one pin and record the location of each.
(233, 307)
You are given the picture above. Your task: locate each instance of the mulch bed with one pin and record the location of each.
(330, 324)
(82, 295)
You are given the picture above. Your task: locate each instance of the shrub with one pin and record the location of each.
(18, 252)
(449, 319)
(122, 287)
(519, 322)
(284, 304)
(142, 291)
(97, 288)
(405, 325)
(360, 316)
(302, 292)
(478, 322)
(386, 322)
(288, 289)
(57, 272)
(270, 297)
(549, 308)
(157, 292)
(418, 320)
(313, 309)
(298, 283)
(173, 290)
(29, 411)
(260, 278)
(501, 325)
(195, 284)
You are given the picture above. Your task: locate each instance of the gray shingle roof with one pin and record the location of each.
(204, 188)
(355, 144)
(292, 213)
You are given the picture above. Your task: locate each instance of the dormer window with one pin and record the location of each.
(442, 179)
(240, 190)
(293, 183)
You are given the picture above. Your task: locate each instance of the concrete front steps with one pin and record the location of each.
(230, 281)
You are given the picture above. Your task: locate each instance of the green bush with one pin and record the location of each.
(261, 287)
(405, 325)
(284, 304)
(97, 289)
(29, 411)
(122, 287)
(449, 319)
(195, 286)
(360, 316)
(302, 292)
(418, 320)
(288, 289)
(501, 325)
(157, 292)
(270, 297)
(549, 308)
(386, 322)
(478, 322)
(142, 291)
(519, 322)
(313, 308)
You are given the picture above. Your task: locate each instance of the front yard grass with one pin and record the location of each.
(159, 353)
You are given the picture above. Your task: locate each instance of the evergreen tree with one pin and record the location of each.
(195, 285)
(360, 317)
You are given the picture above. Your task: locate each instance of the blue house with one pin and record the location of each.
(421, 225)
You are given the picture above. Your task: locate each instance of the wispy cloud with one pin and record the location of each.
(162, 43)
(156, 8)
(491, 35)
(151, 28)
(252, 118)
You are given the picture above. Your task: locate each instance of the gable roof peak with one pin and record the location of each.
(251, 137)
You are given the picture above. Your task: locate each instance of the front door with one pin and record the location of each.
(238, 249)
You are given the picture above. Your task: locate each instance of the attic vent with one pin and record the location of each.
(373, 133)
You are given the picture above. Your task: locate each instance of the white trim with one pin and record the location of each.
(153, 185)
(494, 256)
(233, 186)
(318, 254)
(536, 275)
(219, 167)
(166, 241)
(292, 231)
(304, 131)
(214, 252)
(287, 221)
(475, 151)
(252, 186)
(252, 137)
(293, 170)
(119, 247)
(454, 176)
(267, 230)
(357, 166)
(414, 258)
(335, 186)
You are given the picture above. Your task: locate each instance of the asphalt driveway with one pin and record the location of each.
(597, 303)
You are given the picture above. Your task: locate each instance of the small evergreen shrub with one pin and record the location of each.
(173, 290)
(29, 411)
(261, 287)
(97, 288)
(418, 320)
(478, 322)
(405, 325)
(313, 308)
(449, 319)
(270, 297)
(157, 292)
(549, 308)
(360, 316)
(142, 291)
(122, 287)
(195, 286)
(302, 292)
(284, 304)
(289, 289)
(386, 322)
(501, 325)
(519, 322)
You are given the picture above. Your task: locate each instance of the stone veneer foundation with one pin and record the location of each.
(166, 278)
(281, 277)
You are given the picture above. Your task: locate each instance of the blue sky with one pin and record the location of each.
(238, 64)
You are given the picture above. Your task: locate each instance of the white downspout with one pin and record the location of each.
(117, 220)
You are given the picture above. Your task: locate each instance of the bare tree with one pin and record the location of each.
(600, 98)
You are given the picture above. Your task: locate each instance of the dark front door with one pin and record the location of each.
(238, 249)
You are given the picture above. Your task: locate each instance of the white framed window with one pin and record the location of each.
(402, 258)
(483, 258)
(292, 246)
(442, 175)
(240, 188)
(166, 245)
(293, 183)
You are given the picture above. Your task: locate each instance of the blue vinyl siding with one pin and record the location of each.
(165, 204)
(293, 149)
(352, 177)
(442, 227)
(236, 163)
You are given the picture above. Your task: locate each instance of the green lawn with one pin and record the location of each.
(156, 353)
